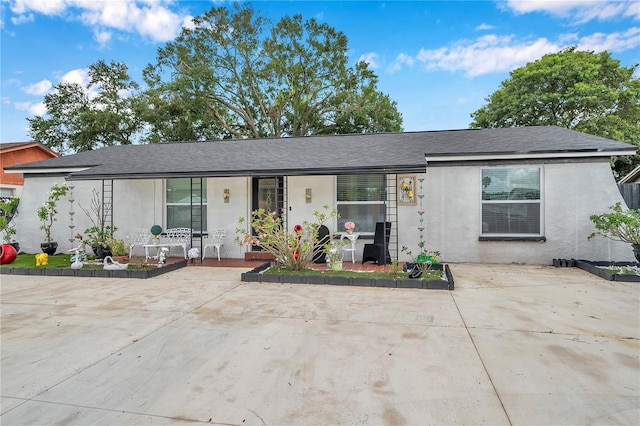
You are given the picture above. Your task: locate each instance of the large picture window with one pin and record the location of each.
(511, 203)
(361, 199)
(179, 199)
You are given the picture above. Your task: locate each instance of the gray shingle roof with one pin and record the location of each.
(331, 154)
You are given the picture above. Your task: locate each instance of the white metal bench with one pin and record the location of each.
(174, 237)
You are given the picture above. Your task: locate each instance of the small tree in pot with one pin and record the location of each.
(8, 210)
(47, 214)
(619, 225)
(97, 236)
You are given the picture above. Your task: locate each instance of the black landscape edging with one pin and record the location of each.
(593, 267)
(257, 275)
(101, 273)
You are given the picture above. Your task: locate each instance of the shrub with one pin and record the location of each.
(618, 225)
(292, 249)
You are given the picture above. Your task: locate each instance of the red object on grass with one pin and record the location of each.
(7, 254)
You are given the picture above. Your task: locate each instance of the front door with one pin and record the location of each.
(267, 194)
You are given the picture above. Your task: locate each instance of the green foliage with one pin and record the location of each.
(578, 90)
(117, 246)
(48, 210)
(618, 224)
(425, 258)
(333, 250)
(99, 232)
(292, 249)
(76, 121)
(8, 210)
(233, 75)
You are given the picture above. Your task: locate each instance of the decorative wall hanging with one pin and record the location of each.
(406, 190)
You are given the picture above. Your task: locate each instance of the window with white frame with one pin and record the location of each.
(511, 201)
(7, 192)
(361, 199)
(179, 203)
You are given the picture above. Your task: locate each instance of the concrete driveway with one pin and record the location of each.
(511, 345)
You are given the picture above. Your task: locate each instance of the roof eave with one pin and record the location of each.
(525, 156)
(250, 173)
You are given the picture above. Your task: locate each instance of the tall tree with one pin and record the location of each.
(84, 118)
(579, 90)
(234, 76)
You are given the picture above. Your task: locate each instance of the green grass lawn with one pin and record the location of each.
(428, 275)
(61, 261)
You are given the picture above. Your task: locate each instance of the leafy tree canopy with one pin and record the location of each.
(233, 75)
(85, 118)
(579, 90)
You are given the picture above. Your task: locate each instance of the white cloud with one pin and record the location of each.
(45, 7)
(23, 19)
(40, 88)
(149, 18)
(484, 27)
(492, 53)
(613, 42)
(160, 24)
(79, 76)
(370, 58)
(33, 108)
(488, 54)
(102, 37)
(401, 60)
(579, 11)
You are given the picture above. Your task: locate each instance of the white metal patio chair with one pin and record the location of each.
(140, 237)
(214, 240)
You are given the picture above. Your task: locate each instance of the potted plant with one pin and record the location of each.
(334, 255)
(47, 214)
(118, 249)
(97, 235)
(619, 225)
(8, 210)
(422, 262)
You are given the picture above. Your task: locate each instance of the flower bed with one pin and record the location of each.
(258, 274)
(607, 270)
(102, 273)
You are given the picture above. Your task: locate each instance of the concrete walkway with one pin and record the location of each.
(511, 345)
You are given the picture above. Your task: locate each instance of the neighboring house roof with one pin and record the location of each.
(20, 153)
(328, 154)
(6, 147)
(632, 177)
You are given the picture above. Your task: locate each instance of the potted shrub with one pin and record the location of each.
(97, 235)
(8, 210)
(422, 262)
(619, 225)
(47, 214)
(118, 249)
(98, 240)
(334, 255)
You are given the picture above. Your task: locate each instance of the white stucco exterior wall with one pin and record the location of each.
(571, 193)
(452, 204)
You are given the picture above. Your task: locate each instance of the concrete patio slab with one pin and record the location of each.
(512, 344)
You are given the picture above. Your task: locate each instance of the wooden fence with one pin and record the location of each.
(631, 194)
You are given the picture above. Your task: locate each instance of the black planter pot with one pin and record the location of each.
(49, 248)
(16, 246)
(101, 252)
(636, 251)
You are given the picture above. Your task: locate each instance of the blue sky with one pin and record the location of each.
(438, 60)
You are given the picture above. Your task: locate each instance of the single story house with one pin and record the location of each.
(506, 195)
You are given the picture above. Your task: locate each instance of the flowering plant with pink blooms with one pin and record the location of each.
(349, 225)
(293, 250)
